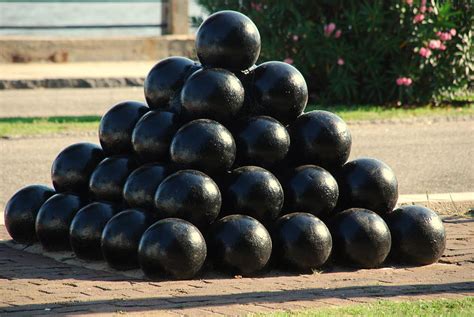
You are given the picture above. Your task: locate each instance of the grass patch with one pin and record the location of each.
(50, 125)
(368, 112)
(439, 307)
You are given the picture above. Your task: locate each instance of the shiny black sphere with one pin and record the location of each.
(361, 238)
(240, 244)
(228, 39)
(189, 195)
(116, 127)
(121, 236)
(21, 210)
(320, 138)
(165, 80)
(261, 141)
(418, 235)
(172, 247)
(311, 189)
(301, 241)
(54, 219)
(212, 93)
(140, 187)
(73, 167)
(367, 183)
(86, 230)
(280, 91)
(204, 145)
(109, 177)
(253, 191)
(152, 135)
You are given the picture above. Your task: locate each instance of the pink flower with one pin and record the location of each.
(434, 44)
(442, 47)
(340, 61)
(404, 81)
(423, 3)
(329, 28)
(438, 34)
(423, 9)
(445, 36)
(425, 52)
(295, 38)
(452, 32)
(409, 2)
(256, 6)
(288, 60)
(418, 18)
(338, 34)
(430, 9)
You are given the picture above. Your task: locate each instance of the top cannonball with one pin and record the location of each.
(212, 94)
(279, 91)
(228, 39)
(21, 210)
(73, 167)
(320, 138)
(418, 235)
(165, 80)
(367, 183)
(116, 127)
(204, 145)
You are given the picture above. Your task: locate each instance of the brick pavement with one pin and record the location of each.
(35, 284)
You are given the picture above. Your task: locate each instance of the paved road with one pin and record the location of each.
(427, 157)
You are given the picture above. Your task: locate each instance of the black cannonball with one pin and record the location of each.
(320, 138)
(172, 247)
(121, 236)
(301, 241)
(212, 93)
(253, 191)
(280, 91)
(165, 80)
(54, 219)
(261, 141)
(204, 145)
(140, 187)
(73, 167)
(116, 127)
(108, 179)
(152, 135)
(418, 235)
(367, 183)
(190, 195)
(228, 39)
(361, 238)
(311, 189)
(21, 210)
(240, 244)
(86, 229)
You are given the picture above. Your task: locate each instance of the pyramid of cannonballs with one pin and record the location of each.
(223, 165)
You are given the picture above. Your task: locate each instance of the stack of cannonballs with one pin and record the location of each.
(222, 164)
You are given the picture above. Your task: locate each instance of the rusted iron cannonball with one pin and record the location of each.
(240, 244)
(301, 241)
(172, 247)
(361, 238)
(21, 211)
(418, 235)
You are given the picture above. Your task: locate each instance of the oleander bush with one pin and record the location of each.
(353, 51)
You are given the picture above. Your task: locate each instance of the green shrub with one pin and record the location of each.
(361, 51)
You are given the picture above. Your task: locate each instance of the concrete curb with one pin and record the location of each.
(71, 83)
